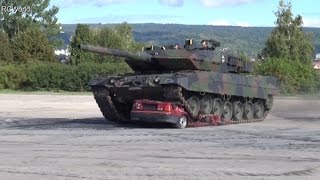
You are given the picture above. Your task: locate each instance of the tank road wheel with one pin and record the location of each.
(248, 110)
(217, 107)
(258, 109)
(227, 111)
(206, 104)
(237, 110)
(194, 105)
(182, 122)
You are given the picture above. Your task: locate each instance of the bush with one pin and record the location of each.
(6, 55)
(31, 45)
(11, 76)
(54, 76)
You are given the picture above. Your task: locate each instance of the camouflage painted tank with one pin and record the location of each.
(201, 79)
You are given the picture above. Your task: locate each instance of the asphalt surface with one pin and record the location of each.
(66, 137)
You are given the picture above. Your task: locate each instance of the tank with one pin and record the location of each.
(203, 80)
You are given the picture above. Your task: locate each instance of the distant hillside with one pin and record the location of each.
(250, 40)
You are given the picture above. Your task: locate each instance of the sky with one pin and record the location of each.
(255, 13)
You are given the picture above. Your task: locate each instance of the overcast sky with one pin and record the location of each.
(197, 12)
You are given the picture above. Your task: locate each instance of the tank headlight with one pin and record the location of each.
(112, 81)
(157, 80)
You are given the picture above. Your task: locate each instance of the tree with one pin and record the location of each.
(32, 45)
(5, 50)
(17, 16)
(83, 35)
(288, 54)
(288, 40)
(117, 37)
(120, 37)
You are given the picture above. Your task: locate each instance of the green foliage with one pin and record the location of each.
(117, 37)
(11, 76)
(32, 44)
(31, 28)
(289, 54)
(34, 71)
(6, 55)
(54, 76)
(30, 13)
(244, 56)
(83, 35)
(288, 40)
(294, 76)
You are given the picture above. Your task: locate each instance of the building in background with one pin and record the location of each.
(62, 55)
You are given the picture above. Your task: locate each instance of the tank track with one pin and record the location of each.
(104, 101)
(175, 93)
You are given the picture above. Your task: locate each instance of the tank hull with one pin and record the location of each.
(145, 86)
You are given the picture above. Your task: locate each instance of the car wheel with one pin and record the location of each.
(182, 122)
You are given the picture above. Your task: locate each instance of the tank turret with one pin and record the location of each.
(170, 58)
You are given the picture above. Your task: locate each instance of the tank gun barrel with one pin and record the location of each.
(140, 56)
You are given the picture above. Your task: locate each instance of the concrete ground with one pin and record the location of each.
(65, 137)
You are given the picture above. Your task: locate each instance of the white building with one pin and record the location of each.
(62, 51)
(62, 55)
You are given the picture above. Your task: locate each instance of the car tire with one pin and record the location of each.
(182, 122)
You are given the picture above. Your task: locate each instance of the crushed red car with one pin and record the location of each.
(157, 111)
